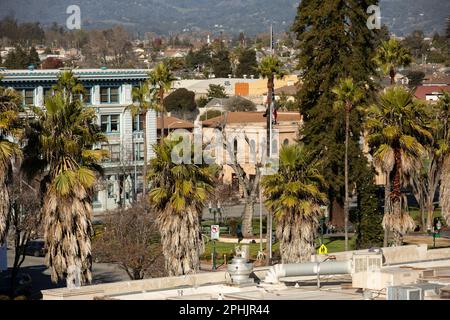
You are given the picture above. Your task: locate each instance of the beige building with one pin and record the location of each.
(253, 126)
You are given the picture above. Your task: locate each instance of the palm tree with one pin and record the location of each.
(348, 95)
(269, 68)
(142, 95)
(432, 166)
(161, 78)
(66, 142)
(295, 196)
(443, 141)
(390, 56)
(178, 193)
(396, 131)
(10, 102)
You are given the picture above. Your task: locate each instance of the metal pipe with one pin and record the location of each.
(307, 269)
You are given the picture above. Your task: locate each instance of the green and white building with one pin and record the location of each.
(109, 93)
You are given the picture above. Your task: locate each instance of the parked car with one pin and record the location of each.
(35, 248)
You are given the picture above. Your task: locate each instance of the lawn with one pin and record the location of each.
(222, 248)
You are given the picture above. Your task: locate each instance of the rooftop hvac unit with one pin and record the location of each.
(404, 293)
(370, 261)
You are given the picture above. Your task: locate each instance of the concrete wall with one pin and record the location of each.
(124, 287)
(395, 255)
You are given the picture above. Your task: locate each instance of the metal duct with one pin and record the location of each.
(307, 269)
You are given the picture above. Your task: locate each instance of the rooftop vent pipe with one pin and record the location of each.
(307, 269)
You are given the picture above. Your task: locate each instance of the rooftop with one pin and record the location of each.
(251, 117)
(422, 91)
(83, 74)
(174, 123)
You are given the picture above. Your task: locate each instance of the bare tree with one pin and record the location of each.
(25, 223)
(130, 239)
(250, 187)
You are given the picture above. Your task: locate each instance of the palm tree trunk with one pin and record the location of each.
(161, 100)
(144, 167)
(4, 207)
(392, 74)
(387, 194)
(396, 195)
(346, 204)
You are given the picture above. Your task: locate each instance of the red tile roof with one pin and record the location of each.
(422, 91)
(174, 123)
(251, 117)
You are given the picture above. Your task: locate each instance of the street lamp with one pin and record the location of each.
(215, 210)
(436, 230)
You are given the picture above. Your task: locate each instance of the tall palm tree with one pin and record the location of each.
(68, 134)
(347, 96)
(142, 98)
(178, 193)
(161, 78)
(443, 141)
(433, 167)
(10, 102)
(269, 68)
(397, 129)
(295, 195)
(390, 56)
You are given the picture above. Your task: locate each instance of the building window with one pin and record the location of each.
(87, 96)
(114, 152)
(109, 95)
(138, 151)
(110, 123)
(48, 92)
(138, 123)
(111, 194)
(286, 142)
(28, 97)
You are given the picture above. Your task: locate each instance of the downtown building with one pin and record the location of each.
(109, 92)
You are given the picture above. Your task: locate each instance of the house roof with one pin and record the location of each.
(422, 91)
(251, 117)
(288, 90)
(441, 79)
(174, 123)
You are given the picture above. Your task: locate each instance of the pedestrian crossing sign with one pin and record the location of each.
(322, 250)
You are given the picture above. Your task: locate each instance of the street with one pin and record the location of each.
(34, 266)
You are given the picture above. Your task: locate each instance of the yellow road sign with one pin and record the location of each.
(322, 250)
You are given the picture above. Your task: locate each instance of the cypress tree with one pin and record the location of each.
(369, 215)
(334, 43)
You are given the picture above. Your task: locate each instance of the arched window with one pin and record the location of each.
(286, 142)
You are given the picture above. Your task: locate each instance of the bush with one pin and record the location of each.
(210, 114)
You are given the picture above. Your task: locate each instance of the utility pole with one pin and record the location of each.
(269, 150)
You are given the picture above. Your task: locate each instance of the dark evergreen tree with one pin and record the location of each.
(221, 64)
(369, 214)
(216, 91)
(33, 58)
(181, 102)
(247, 63)
(334, 43)
(17, 59)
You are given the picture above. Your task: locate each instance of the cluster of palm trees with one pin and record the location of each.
(405, 138)
(60, 153)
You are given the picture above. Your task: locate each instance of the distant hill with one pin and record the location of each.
(250, 16)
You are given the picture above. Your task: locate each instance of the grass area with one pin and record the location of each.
(222, 248)
(415, 214)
